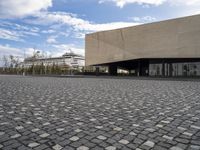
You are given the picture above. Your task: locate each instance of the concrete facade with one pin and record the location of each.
(176, 38)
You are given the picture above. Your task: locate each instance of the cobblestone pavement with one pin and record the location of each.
(70, 113)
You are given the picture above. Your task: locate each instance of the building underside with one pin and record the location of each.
(166, 67)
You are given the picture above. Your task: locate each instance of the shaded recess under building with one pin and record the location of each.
(166, 48)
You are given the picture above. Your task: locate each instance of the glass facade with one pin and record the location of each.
(175, 69)
(155, 69)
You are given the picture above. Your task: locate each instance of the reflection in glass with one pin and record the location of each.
(175, 69)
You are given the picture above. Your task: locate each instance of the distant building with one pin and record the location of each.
(70, 59)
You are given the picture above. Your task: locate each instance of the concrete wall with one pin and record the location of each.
(177, 38)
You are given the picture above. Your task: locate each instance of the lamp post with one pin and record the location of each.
(24, 68)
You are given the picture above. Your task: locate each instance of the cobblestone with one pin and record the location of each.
(110, 148)
(82, 148)
(33, 145)
(95, 113)
(149, 143)
(57, 147)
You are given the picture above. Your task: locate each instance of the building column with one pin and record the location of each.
(112, 70)
(170, 69)
(163, 68)
(97, 70)
(139, 69)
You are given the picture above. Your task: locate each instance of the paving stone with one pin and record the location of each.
(99, 127)
(101, 137)
(15, 136)
(74, 138)
(57, 147)
(150, 129)
(111, 148)
(187, 133)
(195, 127)
(93, 119)
(195, 147)
(181, 128)
(35, 130)
(165, 121)
(117, 129)
(34, 144)
(19, 127)
(80, 123)
(195, 142)
(136, 125)
(1, 146)
(149, 143)
(167, 137)
(133, 133)
(182, 140)
(44, 135)
(78, 130)
(46, 123)
(60, 129)
(122, 141)
(82, 148)
(138, 141)
(159, 125)
(29, 122)
(175, 148)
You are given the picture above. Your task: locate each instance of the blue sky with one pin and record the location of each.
(55, 26)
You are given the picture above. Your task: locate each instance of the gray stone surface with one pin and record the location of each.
(83, 113)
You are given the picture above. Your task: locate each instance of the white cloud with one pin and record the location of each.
(63, 48)
(185, 2)
(16, 35)
(122, 3)
(48, 31)
(143, 19)
(67, 24)
(79, 35)
(22, 8)
(19, 27)
(16, 32)
(51, 39)
(10, 35)
(76, 23)
(8, 50)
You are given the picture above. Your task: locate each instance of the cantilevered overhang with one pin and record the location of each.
(176, 38)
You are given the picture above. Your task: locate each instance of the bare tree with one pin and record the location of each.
(16, 61)
(11, 57)
(6, 61)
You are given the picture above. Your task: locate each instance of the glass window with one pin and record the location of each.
(155, 69)
(186, 69)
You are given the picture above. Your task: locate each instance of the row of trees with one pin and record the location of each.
(10, 61)
(38, 69)
(42, 69)
(12, 65)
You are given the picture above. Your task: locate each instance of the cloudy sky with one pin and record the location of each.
(54, 26)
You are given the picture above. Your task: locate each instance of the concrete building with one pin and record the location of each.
(68, 59)
(166, 48)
